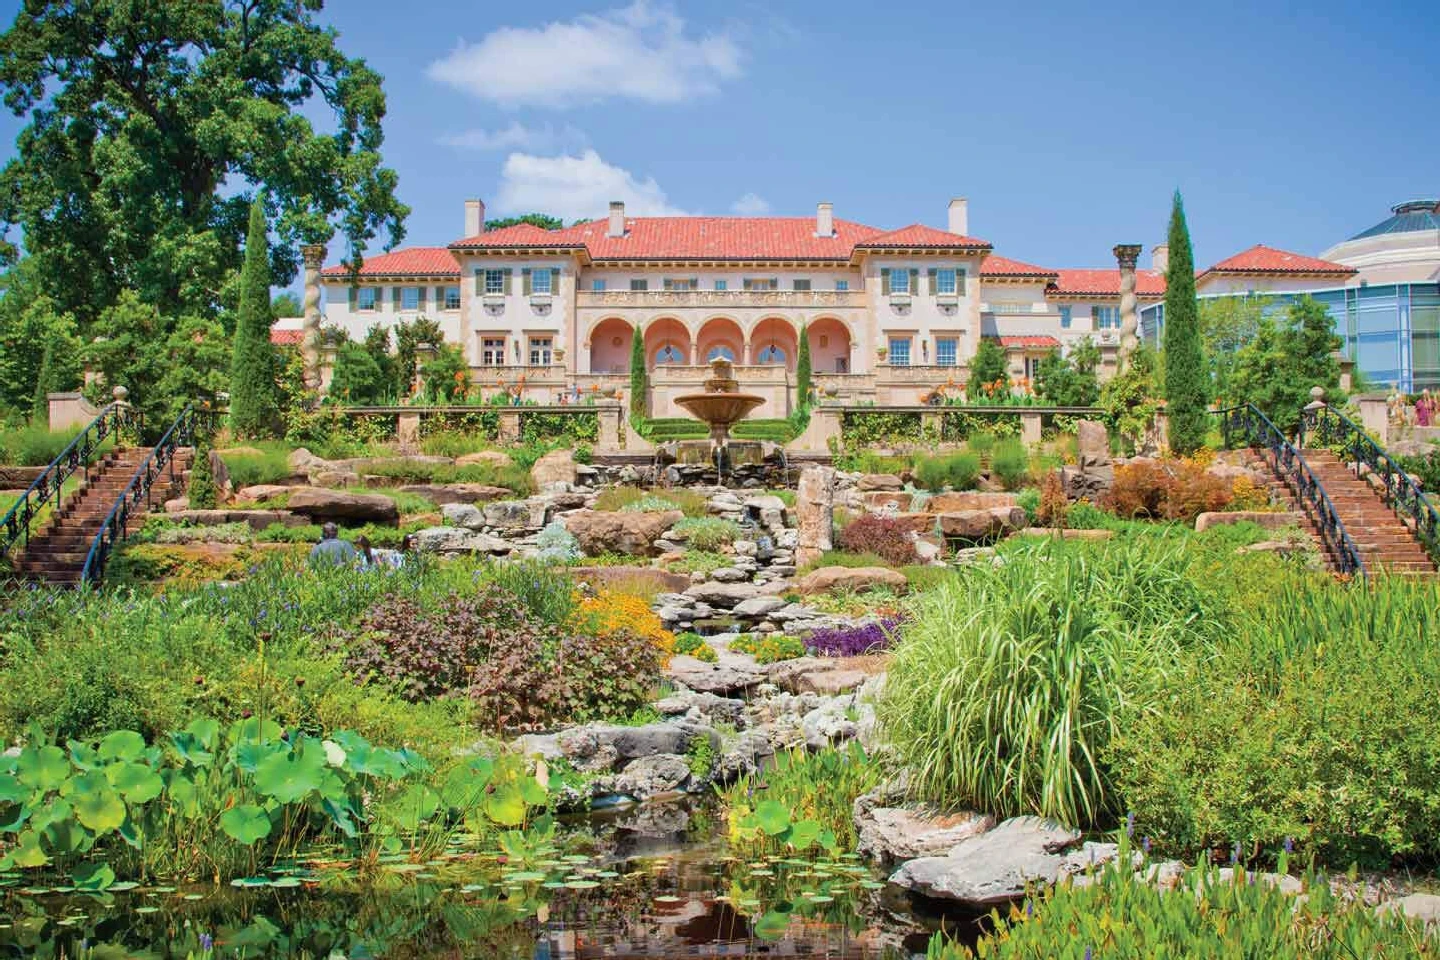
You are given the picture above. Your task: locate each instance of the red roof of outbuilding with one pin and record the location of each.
(1106, 283)
(1263, 259)
(998, 266)
(287, 338)
(410, 261)
(919, 235)
(1026, 341)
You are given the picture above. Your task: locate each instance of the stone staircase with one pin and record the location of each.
(1384, 541)
(57, 550)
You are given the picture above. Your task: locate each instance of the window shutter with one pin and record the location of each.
(354, 297)
(914, 281)
(525, 281)
(395, 297)
(421, 304)
(885, 281)
(479, 282)
(508, 272)
(554, 281)
(694, 283)
(960, 281)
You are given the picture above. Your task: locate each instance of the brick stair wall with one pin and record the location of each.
(56, 552)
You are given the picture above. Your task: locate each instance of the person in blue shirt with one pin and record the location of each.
(331, 550)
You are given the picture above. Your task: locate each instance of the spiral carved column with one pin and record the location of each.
(314, 256)
(1126, 255)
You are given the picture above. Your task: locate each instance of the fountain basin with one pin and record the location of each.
(719, 410)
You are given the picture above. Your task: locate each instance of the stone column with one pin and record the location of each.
(314, 257)
(1031, 429)
(608, 415)
(407, 430)
(814, 513)
(1126, 255)
(509, 431)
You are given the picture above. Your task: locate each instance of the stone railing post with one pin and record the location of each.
(1031, 429)
(407, 430)
(607, 416)
(509, 426)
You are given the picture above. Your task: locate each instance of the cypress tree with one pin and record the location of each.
(202, 492)
(44, 382)
(639, 380)
(802, 369)
(254, 398)
(989, 370)
(1186, 390)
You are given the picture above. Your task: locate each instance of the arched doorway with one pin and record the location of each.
(773, 343)
(667, 343)
(610, 346)
(721, 337)
(829, 345)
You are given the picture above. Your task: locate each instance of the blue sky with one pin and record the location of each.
(1066, 125)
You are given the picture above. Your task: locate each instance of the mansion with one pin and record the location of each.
(890, 314)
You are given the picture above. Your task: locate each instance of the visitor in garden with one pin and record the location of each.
(1425, 409)
(367, 555)
(394, 559)
(331, 550)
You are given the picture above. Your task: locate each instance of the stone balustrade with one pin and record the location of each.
(721, 299)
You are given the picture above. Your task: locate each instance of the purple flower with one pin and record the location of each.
(206, 941)
(1235, 853)
(1145, 845)
(856, 640)
(1289, 845)
(1130, 824)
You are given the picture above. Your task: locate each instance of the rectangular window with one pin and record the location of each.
(681, 283)
(1009, 306)
(494, 282)
(1105, 318)
(540, 281)
(801, 285)
(452, 298)
(492, 352)
(722, 284)
(762, 283)
(1032, 364)
(945, 281)
(900, 351)
(540, 351)
(365, 298)
(900, 283)
(1065, 318)
(945, 351)
(639, 286)
(409, 298)
(842, 285)
(597, 285)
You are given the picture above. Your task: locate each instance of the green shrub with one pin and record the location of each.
(1010, 464)
(202, 492)
(769, 649)
(697, 561)
(1011, 681)
(1029, 501)
(708, 533)
(1313, 722)
(691, 503)
(981, 444)
(1121, 918)
(958, 471)
(269, 463)
(35, 445)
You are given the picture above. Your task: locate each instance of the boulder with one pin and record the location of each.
(994, 867)
(458, 540)
(878, 481)
(557, 466)
(1092, 443)
(814, 514)
(464, 515)
(333, 479)
(302, 460)
(648, 776)
(891, 835)
(257, 519)
(489, 458)
(1424, 907)
(340, 505)
(968, 500)
(515, 516)
(887, 501)
(443, 493)
(823, 675)
(850, 579)
(757, 608)
(632, 743)
(835, 720)
(177, 505)
(723, 679)
(980, 525)
(722, 595)
(1270, 520)
(623, 532)
(262, 491)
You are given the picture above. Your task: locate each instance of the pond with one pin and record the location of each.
(655, 881)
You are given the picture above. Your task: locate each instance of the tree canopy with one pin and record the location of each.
(542, 220)
(151, 126)
(1070, 381)
(989, 367)
(1288, 356)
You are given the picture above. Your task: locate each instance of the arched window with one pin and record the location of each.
(720, 353)
(771, 355)
(668, 354)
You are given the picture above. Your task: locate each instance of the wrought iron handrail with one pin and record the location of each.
(1402, 494)
(1289, 465)
(51, 483)
(115, 527)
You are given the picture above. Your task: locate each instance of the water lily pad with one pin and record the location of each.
(285, 882)
(526, 876)
(246, 882)
(667, 898)
(581, 884)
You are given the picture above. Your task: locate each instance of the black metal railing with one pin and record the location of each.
(1354, 446)
(136, 495)
(1250, 424)
(48, 490)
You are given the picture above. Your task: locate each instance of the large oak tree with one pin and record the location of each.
(151, 124)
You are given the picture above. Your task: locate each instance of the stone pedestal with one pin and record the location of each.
(1374, 417)
(509, 426)
(407, 430)
(1030, 428)
(932, 422)
(814, 514)
(314, 257)
(824, 427)
(608, 416)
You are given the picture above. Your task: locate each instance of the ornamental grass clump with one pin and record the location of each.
(1012, 681)
(708, 534)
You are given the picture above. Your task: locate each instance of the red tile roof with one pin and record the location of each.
(1106, 283)
(287, 338)
(998, 266)
(410, 261)
(919, 235)
(1263, 259)
(717, 238)
(1027, 341)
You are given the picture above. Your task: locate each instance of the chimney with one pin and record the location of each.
(1160, 257)
(825, 220)
(474, 217)
(959, 216)
(617, 219)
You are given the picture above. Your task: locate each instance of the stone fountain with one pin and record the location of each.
(720, 407)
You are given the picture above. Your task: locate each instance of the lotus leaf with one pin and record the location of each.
(27, 852)
(772, 925)
(83, 756)
(191, 749)
(11, 790)
(340, 815)
(533, 792)
(772, 817)
(184, 798)
(506, 806)
(254, 730)
(245, 823)
(135, 781)
(206, 730)
(248, 754)
(97, 806)
(94, 876)
(12, 819)
(413, 807)
(122, 745)
(290, 778)
(803, 833)
(43, 769)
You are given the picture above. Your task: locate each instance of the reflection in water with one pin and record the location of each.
(685, 897)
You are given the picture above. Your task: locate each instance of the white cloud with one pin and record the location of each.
(751, 205)
(577, 187)
(641, 52)
(517, 136)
